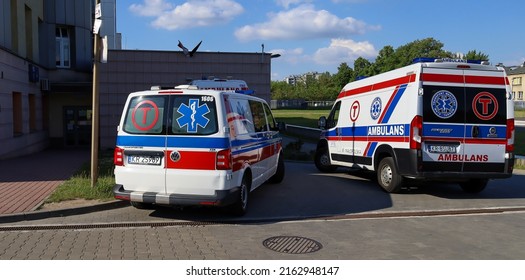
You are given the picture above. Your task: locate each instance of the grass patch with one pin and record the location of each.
(307, 118)
(519, 114)
(79, 185)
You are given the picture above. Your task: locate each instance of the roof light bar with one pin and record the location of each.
(456, 60)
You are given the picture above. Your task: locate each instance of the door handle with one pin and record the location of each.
(475, 131)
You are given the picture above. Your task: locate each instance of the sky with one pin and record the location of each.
(319, 35)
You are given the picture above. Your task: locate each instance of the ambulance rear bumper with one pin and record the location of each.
(221, 197)
(410, 165)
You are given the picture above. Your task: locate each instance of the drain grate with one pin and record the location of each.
(292, 244)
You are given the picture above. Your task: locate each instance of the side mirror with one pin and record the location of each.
(321, 123)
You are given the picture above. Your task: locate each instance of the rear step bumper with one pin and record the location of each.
(221, 197)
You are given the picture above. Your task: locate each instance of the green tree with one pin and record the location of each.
(475, 55)
(428, 47)
(386, 60)
(344, 75)
(362, 68)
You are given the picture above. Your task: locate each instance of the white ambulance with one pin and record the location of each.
(449, 120)
(187, 146)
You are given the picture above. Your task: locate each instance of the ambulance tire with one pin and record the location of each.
(241, 205)
(474, 185)
(279, 173)
(322, 160)
(388, 177)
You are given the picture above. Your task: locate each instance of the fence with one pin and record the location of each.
(299, 104)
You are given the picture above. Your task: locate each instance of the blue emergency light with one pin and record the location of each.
(247, 91)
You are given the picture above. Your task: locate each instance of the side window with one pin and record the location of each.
(241, 116)
(145, 115)
(331, 122)
(271, 121)
(259, 119)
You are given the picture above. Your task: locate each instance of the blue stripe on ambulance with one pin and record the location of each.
(179, 142)
(388, 113)
(397, 96)
(453, 130)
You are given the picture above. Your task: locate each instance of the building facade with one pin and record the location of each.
(23, 106)
(517, 81)
(46, 62)
(46, 73)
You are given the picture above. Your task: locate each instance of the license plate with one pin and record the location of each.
(442, 149)
(144, 160)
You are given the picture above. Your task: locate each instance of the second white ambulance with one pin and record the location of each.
(432, 120)
(189, 146)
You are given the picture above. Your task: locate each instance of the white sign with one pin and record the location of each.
(96, 26)
(104, 55)
(98, 11)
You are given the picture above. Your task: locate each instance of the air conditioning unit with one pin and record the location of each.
(44, 84)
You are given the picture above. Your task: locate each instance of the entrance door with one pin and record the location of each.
(77, 126)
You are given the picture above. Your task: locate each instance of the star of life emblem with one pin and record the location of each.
(375, 108)
(444, 104)
(193, 115)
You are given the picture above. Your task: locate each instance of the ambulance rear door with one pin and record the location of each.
(193, 141)
(464, 119)
(142, 140)
(486, 121)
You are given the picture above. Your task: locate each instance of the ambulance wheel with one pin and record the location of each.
(474, 185)
(322, 160)
(279, 174)
(241, 205)
(388, 177)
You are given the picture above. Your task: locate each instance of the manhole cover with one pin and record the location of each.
(292, 244)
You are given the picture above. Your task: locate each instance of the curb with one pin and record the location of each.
(38, 215)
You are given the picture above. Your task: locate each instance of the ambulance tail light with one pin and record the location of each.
(224, 160)
(118, 157)
(510, 136)
(416, 126)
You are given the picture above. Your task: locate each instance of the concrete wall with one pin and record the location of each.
(129, 71)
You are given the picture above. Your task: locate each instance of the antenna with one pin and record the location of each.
(262, 53)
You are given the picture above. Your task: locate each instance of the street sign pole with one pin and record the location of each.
(95, 101)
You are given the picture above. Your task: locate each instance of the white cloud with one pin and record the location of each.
(150, 8)
(193, 13)
(303, 22)
(292, 56)
(286, 3)
(344, 50)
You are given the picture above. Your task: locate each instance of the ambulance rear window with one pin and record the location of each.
(193, 115)
(190, 115)
(145, 115)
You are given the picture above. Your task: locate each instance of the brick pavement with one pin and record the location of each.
(25, 182)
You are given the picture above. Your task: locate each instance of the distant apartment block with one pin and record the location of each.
(517, 79)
